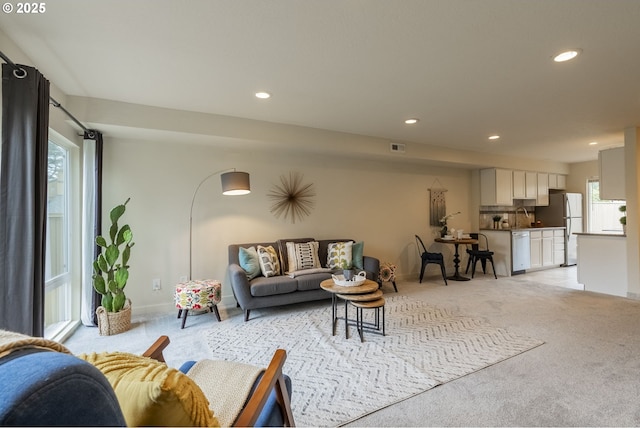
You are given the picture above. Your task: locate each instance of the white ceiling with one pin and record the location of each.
(466, 68)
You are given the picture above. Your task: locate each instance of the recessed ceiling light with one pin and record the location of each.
(494, 137)
(567, 55)
(263, 95)
(411, 121)
(593, 143)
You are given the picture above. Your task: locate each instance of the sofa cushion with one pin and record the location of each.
(302, 256)
(269, 263)
(262, 286)
(339, 255)
(312, 281)
(249, 261)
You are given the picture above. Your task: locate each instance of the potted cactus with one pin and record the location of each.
(111, 273)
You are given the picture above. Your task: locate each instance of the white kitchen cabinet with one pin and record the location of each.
(531, 185)
(519, 185)
(558, 247)
(496, 186)
(547, 248)
(557, 181)
(612, 181)
(542, 198)
(536, 248)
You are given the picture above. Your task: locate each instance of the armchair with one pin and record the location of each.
(47, 386)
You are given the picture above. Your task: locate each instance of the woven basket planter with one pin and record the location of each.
(110, 323)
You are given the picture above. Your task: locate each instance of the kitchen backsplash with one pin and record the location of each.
(506, 212)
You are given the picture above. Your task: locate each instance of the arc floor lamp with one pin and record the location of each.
(233, 183)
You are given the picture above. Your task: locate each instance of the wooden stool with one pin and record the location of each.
(373, 304)
(198, 295)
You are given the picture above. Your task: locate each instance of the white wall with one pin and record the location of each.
(385, 204)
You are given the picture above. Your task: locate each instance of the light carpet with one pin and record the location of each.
(337, 380)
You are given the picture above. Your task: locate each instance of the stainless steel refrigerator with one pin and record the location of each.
(565, 209)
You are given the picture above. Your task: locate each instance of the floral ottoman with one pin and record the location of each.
(198, 295)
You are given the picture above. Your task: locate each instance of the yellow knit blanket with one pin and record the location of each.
(11, 341)
(226, 384)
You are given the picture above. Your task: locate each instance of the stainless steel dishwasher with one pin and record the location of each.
(520, 251)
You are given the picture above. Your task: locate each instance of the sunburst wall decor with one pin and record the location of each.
(292, 199)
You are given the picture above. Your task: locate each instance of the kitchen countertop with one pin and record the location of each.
(517, 229)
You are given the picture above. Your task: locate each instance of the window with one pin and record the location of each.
(58, 290)
(603, 216)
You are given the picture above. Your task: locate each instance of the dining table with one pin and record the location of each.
(456, 257)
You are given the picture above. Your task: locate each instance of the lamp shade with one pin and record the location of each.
(235, 183)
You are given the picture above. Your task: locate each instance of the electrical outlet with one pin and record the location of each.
(156, 284)
(183, 278)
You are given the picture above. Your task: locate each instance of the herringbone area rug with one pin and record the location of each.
(336, 380)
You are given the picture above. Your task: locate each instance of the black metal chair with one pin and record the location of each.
(427, 257)
(477, 253)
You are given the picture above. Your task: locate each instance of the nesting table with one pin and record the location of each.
(364, 296)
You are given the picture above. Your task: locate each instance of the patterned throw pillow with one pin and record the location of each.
(248, 258)
(303, 255)
(338, 253)
(269, 263)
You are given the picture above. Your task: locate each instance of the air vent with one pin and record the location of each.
(397, 148)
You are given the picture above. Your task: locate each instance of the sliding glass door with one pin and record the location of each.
(59, 290)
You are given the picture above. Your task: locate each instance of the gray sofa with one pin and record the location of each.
(262, 292)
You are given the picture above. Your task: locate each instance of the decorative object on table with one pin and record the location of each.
(233, 182)
(496, 221)
(388, 274)
(292, 199)
(196, 296)
(110, 276)
(623, 219)
(443, 223)
(347, 270)
(437, 205)
(353, 281)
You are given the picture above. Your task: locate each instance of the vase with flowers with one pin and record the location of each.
(443, 223)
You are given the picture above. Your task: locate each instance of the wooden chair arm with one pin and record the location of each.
(272, 378)
(155, 350)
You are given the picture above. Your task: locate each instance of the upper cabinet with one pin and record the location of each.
(611, 164)
(557, 181)
(496, 186)
(543, 189)
(502, 186)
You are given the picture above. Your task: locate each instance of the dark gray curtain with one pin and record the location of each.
(23, 199)
(92, 221)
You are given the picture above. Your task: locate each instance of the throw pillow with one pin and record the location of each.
(303, 255)
(358, 255)
(249, 261)
(152, 394)
(269, 263)
(339, 255)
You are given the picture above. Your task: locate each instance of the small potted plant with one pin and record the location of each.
(623, 219)
(496, 221)
(347, 270)
(110, 276)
